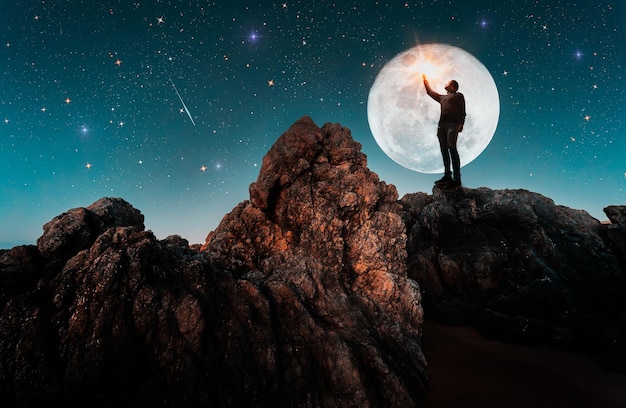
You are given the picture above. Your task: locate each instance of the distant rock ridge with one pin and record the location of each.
(310, 293)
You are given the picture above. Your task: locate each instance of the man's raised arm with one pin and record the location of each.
(429, 90)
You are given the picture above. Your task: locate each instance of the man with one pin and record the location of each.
(451, 123)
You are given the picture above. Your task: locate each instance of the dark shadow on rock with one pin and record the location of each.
(519, 267)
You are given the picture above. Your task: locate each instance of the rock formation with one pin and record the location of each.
(305, 295)
(299, 298)
(323, 240)
(521, 268)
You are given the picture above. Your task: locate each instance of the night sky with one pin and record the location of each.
(172, 105)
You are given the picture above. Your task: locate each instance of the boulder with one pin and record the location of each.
(75, 230)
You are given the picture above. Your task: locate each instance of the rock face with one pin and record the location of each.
(323, 240)
(304, 295)
(299, 298)
(521, 268)
(77, 229)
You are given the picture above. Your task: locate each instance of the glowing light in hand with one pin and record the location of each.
(429, 69)
(433, 67)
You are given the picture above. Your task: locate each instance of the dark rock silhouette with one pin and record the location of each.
(304, 295)
(520, 268)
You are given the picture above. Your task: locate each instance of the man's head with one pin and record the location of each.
(452, 86)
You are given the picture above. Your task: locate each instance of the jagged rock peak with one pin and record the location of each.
(297, 150)
(75, 230)
(314, 188)
(322, 238)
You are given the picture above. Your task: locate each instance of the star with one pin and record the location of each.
(118, 62)
(587, 117)
(88, 166)
(68, 100)
(505, 73)
(44, 109)
(203, 168)
(160, 20)
(121, 124)
(270, 82)
(6, 120)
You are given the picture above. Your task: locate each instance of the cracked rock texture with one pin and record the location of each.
(300, 297)
(520, 268)
(311, 293)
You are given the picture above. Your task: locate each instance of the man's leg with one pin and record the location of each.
(442, 135)
(456, 163)
(453, 135)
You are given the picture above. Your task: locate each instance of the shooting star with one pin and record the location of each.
(181, 100)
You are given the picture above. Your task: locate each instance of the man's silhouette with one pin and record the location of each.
(451, 123)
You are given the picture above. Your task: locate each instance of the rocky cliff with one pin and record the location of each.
(520, 268)
(300, 297)
(311, 293)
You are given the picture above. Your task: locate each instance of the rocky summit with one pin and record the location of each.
(311, 293)
(521, 269)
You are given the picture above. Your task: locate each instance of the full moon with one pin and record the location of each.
(403, 118)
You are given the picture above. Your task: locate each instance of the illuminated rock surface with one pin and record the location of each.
(305, 295)
(298, 298)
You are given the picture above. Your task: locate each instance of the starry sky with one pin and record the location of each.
(172, 105)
